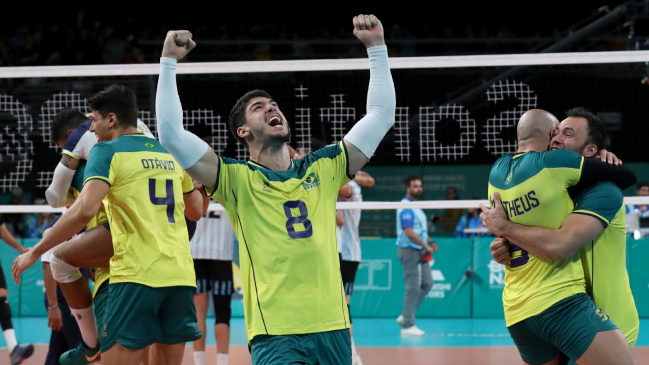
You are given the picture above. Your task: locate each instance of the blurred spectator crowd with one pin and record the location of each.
(89, 41)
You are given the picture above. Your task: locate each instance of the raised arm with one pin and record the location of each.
(363, 139)
(57, 193)
(594, 171)
(191, 152)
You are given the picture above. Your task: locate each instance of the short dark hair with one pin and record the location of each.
(117, 99)
(238, 113)
(411, 178)
(641, 185)
(596, 128)
(64, 121)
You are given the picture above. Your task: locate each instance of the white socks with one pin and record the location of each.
(222, 359)
(10, 338)
(87, 325)
(199, 357)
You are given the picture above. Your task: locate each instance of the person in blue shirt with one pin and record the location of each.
(413, 247)
(642, 189)
(470, 220)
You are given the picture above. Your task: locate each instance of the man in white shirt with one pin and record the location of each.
(212, 248)
(349, 241)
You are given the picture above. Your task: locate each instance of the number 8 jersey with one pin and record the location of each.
(285, 222)
(146, 211)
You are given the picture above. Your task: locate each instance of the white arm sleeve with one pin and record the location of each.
(186, 147)
(381, 105)
(57, 193)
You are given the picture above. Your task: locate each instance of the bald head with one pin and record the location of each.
(536, 123)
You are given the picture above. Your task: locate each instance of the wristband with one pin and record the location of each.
(52, 307)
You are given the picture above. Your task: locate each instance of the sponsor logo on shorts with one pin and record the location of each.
(602, 315)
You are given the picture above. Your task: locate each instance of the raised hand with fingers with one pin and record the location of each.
(368, 29)
(178, 44)
(500, 250)
(608, 157)
(494, 219)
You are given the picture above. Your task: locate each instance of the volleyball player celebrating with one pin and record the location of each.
(283, 210)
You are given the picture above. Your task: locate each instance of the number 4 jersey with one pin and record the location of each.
(285, 222)
(533, 189)
(146, 211)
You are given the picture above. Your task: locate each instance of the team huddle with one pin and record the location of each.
(134, 201)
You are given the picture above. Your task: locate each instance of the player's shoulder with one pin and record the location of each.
(604, 192)
(76, 135)
(560, 159)
(326, 153)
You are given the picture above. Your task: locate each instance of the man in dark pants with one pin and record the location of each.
(65, 330)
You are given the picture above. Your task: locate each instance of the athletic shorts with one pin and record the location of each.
(214, 276)
(138, 315)
(100, 301)
(348, 272)
(325, 348)
(568, 326)
(3, 282)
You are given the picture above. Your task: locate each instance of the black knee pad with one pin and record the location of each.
(222, 308)
(5, 314)
(350, 314)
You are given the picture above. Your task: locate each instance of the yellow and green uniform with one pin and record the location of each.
(145, 210)
(152, 276)
(604, 258)
(103, 273)
(534, 190)
(285, 224)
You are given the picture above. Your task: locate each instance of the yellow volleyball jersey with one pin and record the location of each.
(285, 222)
(103, 273)
(145, 210)
(604, 258)
(533, 189)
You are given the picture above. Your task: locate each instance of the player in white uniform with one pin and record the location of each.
(349, 241)
(212, 248)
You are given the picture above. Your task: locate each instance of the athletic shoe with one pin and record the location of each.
(412, 331)
(400, 321)
(356, 360)
(20, 353)
(81, 355)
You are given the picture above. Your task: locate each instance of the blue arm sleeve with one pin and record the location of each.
(407, 218)
(186, 147)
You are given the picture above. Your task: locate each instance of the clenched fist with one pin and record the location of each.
(178, 44)
(368, 29)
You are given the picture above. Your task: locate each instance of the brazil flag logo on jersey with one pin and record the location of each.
(311, 181)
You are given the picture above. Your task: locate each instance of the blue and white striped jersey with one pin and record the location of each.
(214, 238)
(349, 242)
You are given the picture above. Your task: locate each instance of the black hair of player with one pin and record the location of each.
(641, 185)
(238, 113)
(119, 100)
(65, 120)
(596, 128)
(411, 178)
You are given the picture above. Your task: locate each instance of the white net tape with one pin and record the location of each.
(424, 204)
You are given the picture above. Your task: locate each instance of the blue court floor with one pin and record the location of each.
(380, 332)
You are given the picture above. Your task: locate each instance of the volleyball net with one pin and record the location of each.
(455, 115)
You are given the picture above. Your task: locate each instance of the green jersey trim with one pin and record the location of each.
(298, 168)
